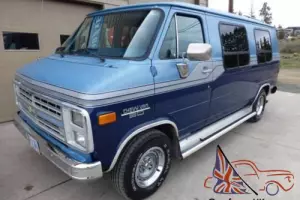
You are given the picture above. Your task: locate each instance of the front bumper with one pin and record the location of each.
(75, 169)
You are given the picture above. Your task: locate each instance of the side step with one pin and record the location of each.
(200, 139)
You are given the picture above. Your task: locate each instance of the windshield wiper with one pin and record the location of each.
(90, 52)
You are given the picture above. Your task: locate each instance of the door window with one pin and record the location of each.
(189, 31)
(235, 45)
(263, 46)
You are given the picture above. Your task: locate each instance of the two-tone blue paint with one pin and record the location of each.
(190, 108)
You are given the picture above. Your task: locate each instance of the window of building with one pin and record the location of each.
(20, 41)
(235, 45)
(63, 38)
(263, 46)
(189, 31)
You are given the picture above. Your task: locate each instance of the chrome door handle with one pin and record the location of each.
(206, 70)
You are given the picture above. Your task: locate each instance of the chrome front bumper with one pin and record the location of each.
(75, 169)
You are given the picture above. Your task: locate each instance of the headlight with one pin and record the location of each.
(78, 128)
(80, 138)
(77, 119)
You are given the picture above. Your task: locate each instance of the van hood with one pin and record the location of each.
(89, 75)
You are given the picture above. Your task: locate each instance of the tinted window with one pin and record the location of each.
(189, 31)
(263, 46)
(22, 41)
(63, 38)
(234, 45)
(168, 49)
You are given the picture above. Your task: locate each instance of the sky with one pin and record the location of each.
(285, 12)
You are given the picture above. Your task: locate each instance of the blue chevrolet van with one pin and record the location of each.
(137, 86)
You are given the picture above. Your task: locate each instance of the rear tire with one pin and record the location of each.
(259, 106)
(143, 166)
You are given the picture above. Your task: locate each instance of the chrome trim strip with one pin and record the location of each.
(208, 131)
(261, 87)
(101, 96)
(86, 100)
(219, 134)
(74, 169)
(136, 132)
(177, 37)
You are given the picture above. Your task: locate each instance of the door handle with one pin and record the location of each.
(206, 70)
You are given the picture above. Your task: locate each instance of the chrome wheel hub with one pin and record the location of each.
(260, 105)
(150, 167)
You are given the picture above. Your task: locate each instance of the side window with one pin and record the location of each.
(263, 46)
(235, 45)
(169, 46)
(189, 31)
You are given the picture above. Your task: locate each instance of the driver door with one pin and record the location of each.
(182, 87)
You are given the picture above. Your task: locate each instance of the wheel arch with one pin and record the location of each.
(165, 125)
(265, 87)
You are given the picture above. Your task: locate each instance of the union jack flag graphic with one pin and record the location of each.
(228, 181)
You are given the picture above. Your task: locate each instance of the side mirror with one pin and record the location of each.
(199, 51)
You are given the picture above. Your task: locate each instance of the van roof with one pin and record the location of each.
(182, 5)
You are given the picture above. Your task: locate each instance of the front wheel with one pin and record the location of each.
(143, 165)
(259, 106)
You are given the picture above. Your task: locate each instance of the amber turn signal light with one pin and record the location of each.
(107, 118)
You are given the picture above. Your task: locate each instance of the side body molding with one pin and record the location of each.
(135, 133)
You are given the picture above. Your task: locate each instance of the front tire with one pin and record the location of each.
(259, 106)
(143, 166)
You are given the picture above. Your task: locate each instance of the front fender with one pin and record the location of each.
(136, 131)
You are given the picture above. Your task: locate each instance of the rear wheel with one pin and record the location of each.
(259, 106)
(143, 166)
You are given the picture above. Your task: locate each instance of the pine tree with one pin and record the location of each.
(265, 13)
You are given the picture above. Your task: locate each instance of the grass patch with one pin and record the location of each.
(290, 61)
(290, 46)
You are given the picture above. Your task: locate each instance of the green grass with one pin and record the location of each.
(290, 61)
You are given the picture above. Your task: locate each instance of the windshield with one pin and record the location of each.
(118, 35)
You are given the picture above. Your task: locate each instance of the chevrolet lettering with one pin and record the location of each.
(138, 86)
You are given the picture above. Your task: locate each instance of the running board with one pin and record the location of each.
(200, 139)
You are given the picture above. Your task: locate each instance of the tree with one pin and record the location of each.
(265, 13)
(280, 32)
(240, 13)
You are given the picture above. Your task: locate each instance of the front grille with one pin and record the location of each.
(41, 109)
(41, 103)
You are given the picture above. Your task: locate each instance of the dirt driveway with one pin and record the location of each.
(289, 80)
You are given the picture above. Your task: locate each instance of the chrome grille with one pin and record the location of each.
(37, 106)
(41, 103)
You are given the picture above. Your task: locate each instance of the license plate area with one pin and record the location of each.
(34, 144)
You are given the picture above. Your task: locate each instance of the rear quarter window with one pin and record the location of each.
(263, 45)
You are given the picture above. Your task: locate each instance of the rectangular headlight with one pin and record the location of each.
(77, 119)
(78, 128)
